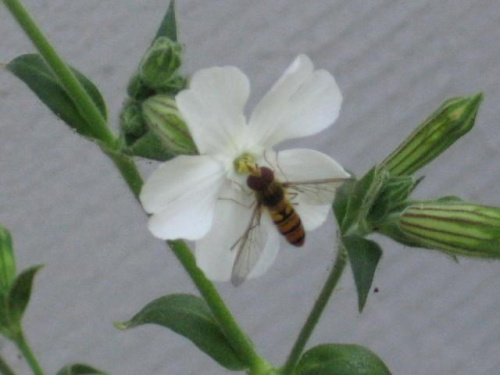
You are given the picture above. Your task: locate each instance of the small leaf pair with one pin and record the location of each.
(15, 292)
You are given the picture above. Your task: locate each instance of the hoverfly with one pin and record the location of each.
(277, 198)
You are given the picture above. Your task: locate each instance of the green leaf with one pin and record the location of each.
(79, 369)
(189, 316)
(340, 359)
(361, 200)
(34, 72)
(7, 262)
(341, 202)
(364, 256)
(21, 292)
(168, 25)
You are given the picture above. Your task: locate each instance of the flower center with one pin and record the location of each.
(245, 164)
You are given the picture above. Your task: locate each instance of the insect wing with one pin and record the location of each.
(249, 248)
(315, 192)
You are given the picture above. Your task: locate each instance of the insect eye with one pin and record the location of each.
(267, 174)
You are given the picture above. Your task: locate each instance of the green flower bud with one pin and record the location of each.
(7, 262)
(164, 119)
(454, 227)
(447, 124)
(160, 63)
(132, 123)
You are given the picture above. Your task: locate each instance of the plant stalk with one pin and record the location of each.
(317, 310)
(24, 347)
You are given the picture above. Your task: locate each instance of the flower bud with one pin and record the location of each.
(448, 123)
(164, 119)
(160, 63)
(132, 123)
(454, 227)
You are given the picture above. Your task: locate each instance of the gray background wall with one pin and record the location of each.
(395, 62)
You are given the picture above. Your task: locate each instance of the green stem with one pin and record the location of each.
(317, 310)
(5, 368)
(82, 100)
(24, 347)
(234, 334)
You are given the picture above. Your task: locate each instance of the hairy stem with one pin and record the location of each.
(317, 310)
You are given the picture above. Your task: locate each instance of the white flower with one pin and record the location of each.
(204, 198)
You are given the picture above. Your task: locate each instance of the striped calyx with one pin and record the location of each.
(165, 121)
(455, 227)
(447, 124)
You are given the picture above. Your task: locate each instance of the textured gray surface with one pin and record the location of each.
(395, 61)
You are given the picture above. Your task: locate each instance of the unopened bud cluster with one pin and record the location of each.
(151, 125)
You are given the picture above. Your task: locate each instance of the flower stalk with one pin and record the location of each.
(25, 349)
(317, 310)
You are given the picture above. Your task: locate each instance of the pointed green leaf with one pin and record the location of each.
(34, 72)
(364, 256)
(168, 26)
(80, 369)
(7, 262)
(21, 292)
(341, 202)
(361, 199)
(189, 316)
(340, 359)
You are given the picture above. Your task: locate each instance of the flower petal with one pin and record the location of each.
(181, 194)
(213, 108)
(312, 200)
(232, 216)
(303, 102)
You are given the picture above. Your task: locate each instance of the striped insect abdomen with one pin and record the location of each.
(283, 215)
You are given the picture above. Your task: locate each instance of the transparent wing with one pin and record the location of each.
(315, 192)
(249, 248)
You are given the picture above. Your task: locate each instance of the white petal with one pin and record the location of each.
(300, 104)
(312, 216)
(181, 194)
(232, 216)
(271, 248)
(213, 108)
(300, 165)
